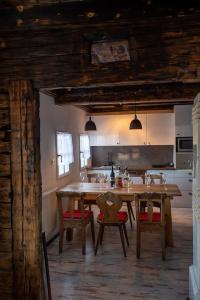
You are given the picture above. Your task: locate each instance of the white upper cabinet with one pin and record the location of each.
(183, 120)
(107, 133)
(134, 136)
(160, 129)
(113, 130)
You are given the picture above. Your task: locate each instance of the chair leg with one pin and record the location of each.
(101, 237)
(83, 237)
(125, 233)
(61, 236)
(163, 244)
(92, 230)
(69, 234)
(129, 214)
(138, 243)
(132, 213)
(122, 239)
(98, 239)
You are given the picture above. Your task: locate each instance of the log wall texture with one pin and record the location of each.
(51, 45)
(6, 254)
(26, 185)
(21, 275)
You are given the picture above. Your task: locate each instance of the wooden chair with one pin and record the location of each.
(75, 218)
(93, 177)
(154, 178)
(150, 220)
(109, 205)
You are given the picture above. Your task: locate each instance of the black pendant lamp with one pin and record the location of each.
(135, 123)
(90, 125)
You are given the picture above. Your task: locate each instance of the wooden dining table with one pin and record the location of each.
(92, 190)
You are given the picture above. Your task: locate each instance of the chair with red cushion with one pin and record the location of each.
(109, 205)
(75, 218)
(150, 219)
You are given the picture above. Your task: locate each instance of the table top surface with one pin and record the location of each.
(97, 188)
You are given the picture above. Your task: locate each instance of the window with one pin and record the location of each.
(84, 150)
(65, 154)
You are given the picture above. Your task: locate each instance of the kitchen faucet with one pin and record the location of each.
(110, 161)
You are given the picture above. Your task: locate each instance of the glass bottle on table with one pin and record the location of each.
(126, 178)
(118, 179)
(112, 177)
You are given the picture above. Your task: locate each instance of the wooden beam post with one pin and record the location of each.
(26, 191)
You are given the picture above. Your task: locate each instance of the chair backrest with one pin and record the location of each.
(72, 197)
(97, 177)
(109, 204)
(156, 178)
(151, 201)
(93, 177)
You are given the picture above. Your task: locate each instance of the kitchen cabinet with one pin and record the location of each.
(183, 120)
(157, 129)
(104, 139)
(160, 129)
(132, 137)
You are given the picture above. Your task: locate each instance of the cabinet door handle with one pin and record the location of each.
(149, 143)
(144, 143)
(190, 193)
(190, 180)
(189, 173)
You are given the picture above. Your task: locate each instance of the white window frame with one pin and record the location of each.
(84, 153)
(67, 156)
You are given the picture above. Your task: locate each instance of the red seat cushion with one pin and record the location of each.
(77, 214)
(144, 217)
(121, 215)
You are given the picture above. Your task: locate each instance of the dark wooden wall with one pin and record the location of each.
(6, 266)
(20, 194)
(52, 46)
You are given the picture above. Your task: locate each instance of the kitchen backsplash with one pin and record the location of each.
(132, 156)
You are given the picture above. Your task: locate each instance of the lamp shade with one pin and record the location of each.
(135, 123)
(90, 125)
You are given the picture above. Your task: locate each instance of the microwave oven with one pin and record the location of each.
(184, 144)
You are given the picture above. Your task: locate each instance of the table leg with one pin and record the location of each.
(169, 233)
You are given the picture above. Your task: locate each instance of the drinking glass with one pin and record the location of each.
(164, 181)
(83, 177)
(147, 180)
(101, 179)
(107, 180)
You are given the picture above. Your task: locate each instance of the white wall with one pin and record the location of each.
(56, 118)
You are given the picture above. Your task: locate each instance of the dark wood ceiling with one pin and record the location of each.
(50, 43)
(123, 97)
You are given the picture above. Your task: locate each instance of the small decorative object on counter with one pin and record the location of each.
(112, 178)
(126, 178)
(118, 180)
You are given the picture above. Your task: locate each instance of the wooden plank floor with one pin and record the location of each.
(111, 276)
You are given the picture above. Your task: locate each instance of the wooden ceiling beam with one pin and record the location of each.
(126, 110)
(145, 94)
